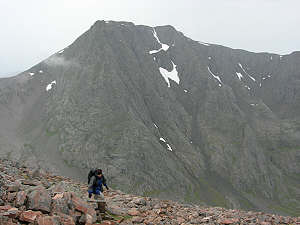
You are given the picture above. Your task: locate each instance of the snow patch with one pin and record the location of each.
(246, 86)
(41, 71)
(61, 51)
(49, 86)
(155, 125)
(185, 90)
(164, 47)
(31, 74)
(268, 76)
(154, 51)
(203, 43)
(162, 139)
(240, 76)
(209, 58)
(252, 78)
(173, 75)
(169, 148)
(215, 76)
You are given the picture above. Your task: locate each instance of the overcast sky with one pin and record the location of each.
(32, 30)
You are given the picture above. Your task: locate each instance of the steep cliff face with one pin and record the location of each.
(164, 115)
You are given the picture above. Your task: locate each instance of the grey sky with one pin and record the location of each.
(32, 30)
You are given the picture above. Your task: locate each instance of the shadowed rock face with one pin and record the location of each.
(228, 133)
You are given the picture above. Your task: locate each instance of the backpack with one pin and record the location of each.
(91, 174)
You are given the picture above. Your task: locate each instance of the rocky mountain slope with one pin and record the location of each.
(36, 197)
(163, 115)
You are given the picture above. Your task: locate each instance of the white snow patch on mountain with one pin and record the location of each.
(203, 43)
(240, 76)
(49, 86)
(154, 51)
(162, 139)
(41, 71)
(185, 90)
(164, 47)
(155, 125)
(252, 78)
(173, 75)
(169, 148)
(247, 87)
(61, 51)
(215, 76)
(31, 74)
(268, 76)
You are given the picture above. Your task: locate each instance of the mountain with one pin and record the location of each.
(163, 115)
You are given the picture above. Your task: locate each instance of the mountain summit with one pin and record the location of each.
(163, 115)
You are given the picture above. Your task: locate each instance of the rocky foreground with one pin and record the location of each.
(39, 198)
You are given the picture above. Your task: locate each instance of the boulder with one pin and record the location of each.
(29, 216)
(31, 182)
(15, 187)
(82, 206)
(133, 212)
(20, 198)
(11, 196)
(12, 213)
(5, 208)
(48, 220)
(86, 219)
(66, 219)
(60, 204)
(40, 200)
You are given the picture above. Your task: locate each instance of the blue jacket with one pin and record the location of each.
(96, 184)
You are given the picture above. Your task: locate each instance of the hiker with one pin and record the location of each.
(95, 184)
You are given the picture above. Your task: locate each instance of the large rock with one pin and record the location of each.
(29, 216)
(61, 203)
(20, 198)
(48, 220)
(40, 200)
(66, 219)
(84, 207)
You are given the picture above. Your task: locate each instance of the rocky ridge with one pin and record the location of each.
(36, 197)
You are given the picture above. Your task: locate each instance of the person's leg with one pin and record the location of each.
(90, 193)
